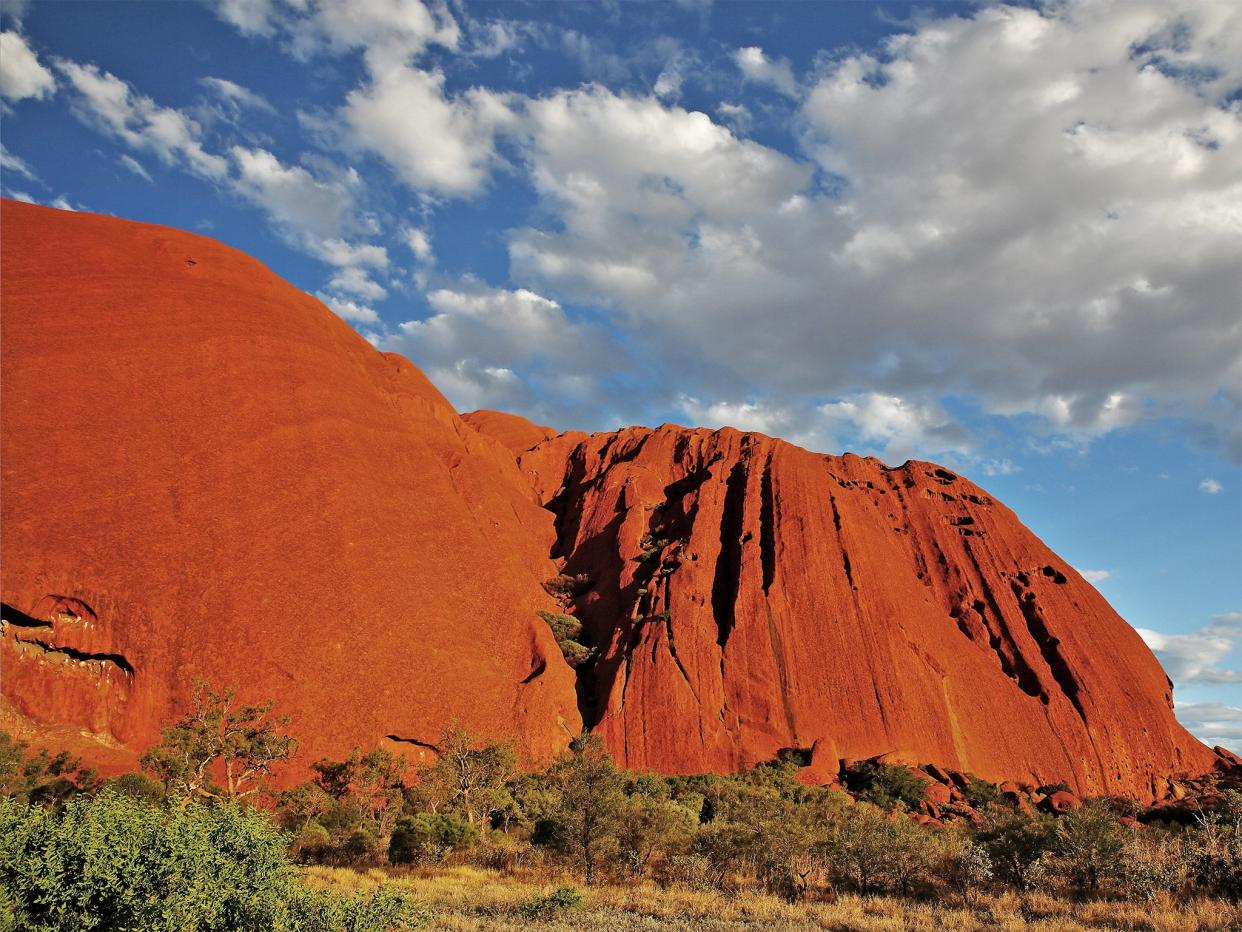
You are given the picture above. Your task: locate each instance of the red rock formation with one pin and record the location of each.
(513, 432)
(207, 473)
(749, 596)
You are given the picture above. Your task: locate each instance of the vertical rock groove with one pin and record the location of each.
(729, 562)
(767, 527)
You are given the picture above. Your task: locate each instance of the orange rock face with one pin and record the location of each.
(748, 596)
(513, 432)
(207, 473)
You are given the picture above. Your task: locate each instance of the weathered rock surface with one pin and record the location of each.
(749, 596)
(513, 432)
(207, 473)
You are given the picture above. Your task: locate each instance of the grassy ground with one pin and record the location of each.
(469, 898)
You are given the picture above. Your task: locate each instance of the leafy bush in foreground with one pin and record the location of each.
(115, 862)
(559, 900)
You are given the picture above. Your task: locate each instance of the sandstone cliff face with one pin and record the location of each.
(748, 596)
(207, 473)
(514, 433)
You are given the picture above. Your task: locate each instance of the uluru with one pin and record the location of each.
(206, 473)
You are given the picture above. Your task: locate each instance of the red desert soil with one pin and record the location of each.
(207, 473)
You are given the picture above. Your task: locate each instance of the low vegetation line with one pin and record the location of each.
(198, 840)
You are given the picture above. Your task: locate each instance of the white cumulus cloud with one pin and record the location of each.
(759, 68)
(21, 73)
(1196, 657)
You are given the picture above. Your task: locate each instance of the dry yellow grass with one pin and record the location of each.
(468, 899)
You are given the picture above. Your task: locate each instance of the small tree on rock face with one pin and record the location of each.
(242, 740)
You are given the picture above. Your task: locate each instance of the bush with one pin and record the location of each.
(117, 862)
(1018, 847)
(566, 629)
(312, 844)
(1089, 843)
(564, 588)
(114, 862)
(381, 911)
(981, 794)
(559, 900)
(885, 785)
(138, 786)
(426, 838)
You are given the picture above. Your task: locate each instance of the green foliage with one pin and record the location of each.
(119, 862)
(381, 911)
(219, 737)
(1089, 843)
(885, 785)
(470, 776)
(41, 777)
(1213, 851)
(138, 786)
(565, 588)
(1048, 789)
(560, 900)
(589, 792)
(427, 838)
(113, 862)
(1019, 846)
(566, 629)
(980, 793)
(857, 847)
(650, 547)
(1154, 863)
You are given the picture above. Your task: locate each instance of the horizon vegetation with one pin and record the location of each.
(198, 839)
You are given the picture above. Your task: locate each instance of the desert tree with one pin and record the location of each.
(220, 735)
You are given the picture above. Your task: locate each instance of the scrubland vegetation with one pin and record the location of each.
(198, 841)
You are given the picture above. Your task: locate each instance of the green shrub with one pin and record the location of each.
(559, 900)
(564, 627)
(885, 785)
(138, 786)
(114, 862)
(980, 793)
(563, 588)
(425, 837)
(1049, 788)
(1019, 847)
(118, 862)
(312, 844)
(381, 911)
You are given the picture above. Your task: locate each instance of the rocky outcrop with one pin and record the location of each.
(514, 433)
(748, 597)
(206, 473)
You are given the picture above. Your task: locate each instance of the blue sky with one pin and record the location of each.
(1002, 237)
